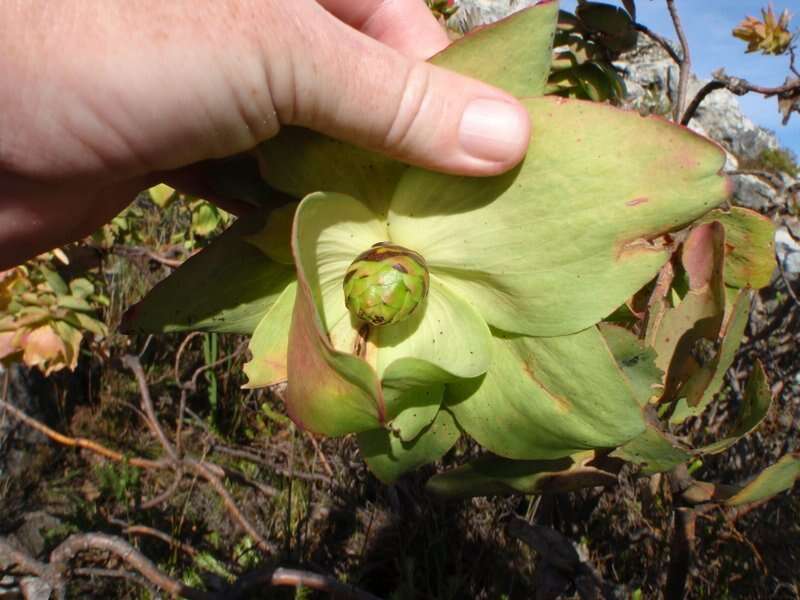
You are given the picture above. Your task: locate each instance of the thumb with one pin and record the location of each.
(351, 87)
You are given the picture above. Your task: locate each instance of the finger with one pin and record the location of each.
(405, 25)
(374, 96)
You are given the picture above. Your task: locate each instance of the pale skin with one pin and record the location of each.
(103, 98)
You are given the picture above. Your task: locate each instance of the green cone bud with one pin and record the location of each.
(385, 284)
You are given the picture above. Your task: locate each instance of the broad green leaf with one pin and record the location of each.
(749, 246)
(653, 451)
(299, 162)
(773, 480)
(703, 383)
(388, 456)
(547, 398)
(414, 410)
(492, 475)
(636, 360)
(578, 220)
(755, 405)
(446, 333)
(512, 54)
(270, 342)
(443, 340)
(275, 239)
(330, 392)
(227, 287)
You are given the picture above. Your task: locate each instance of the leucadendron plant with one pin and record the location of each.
(546, 313)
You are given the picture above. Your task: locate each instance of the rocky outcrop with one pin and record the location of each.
(472, 13)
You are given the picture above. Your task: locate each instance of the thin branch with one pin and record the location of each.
(26, 564)
(60, 558)
(136, 251)
(139, 530)
(202, 469)
(133, 363)
(83, 542)
(80, 442)
(660, 40)
(792, 58)
(684, 65)
(701, 95)
(167, 494)
(179, 354)
(117, 574)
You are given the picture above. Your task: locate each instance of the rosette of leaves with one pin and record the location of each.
(43, 319)
(508, 347)
(771, 35)
(586, 42)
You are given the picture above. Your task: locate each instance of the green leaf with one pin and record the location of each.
(555, 228)
(773, 480)
(749, 247)
(653, 451)
(98, 328)
(299, 162)
(636, 360)
(162, 195)
(55, 281)
(74, 303)
(414, 410)
(388, 457)
(492, 475)
(703, 383)
(755, 405)
(441, 341)
(81, 287)
(205, 218)
(275, 239)
(269, 344)
(547, 398)
(446, 339)
(330, 392)
(227, 287)
(512, 54)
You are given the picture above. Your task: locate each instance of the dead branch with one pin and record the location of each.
(140, 252)
(81, 442)
(740, 87)
(132, 362)
(698, 99)
(56, 572)
(78, 543)
(20, 561)
(684, 64)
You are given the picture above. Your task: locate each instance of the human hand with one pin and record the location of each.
(103, 99)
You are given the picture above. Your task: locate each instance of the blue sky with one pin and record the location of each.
(708, 25)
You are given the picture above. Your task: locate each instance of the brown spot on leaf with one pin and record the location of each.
(638, 201)
(562, 405)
